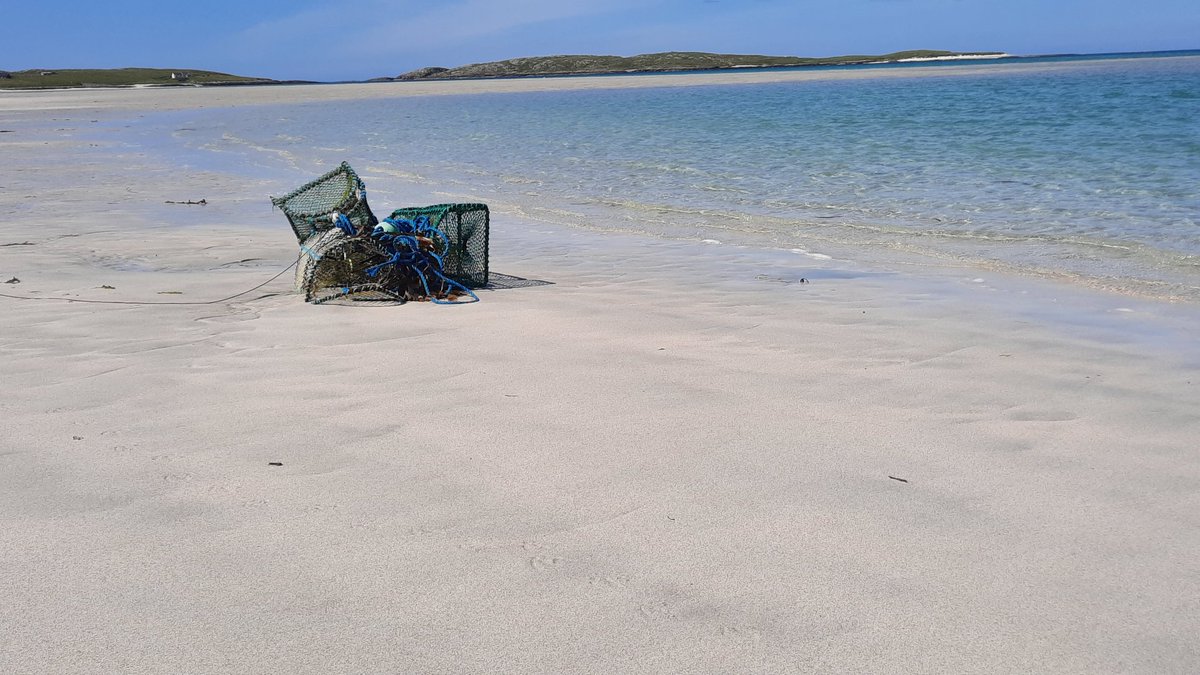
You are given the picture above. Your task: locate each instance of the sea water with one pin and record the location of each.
(1081, 169)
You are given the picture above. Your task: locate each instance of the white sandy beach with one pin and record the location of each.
(663, 461)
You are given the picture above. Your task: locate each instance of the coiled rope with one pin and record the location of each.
(402, 239)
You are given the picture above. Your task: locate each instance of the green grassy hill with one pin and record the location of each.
(117, 77)
(661, 62)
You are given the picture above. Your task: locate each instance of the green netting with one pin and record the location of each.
(312, 207)
(466, 229)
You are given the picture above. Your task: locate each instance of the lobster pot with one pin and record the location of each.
(334, 266)
(465, 227)
(312, 207)
(311, 252)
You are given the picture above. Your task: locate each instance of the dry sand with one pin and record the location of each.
(661, 462)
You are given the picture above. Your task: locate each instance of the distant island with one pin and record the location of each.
(536, 66)
(666, 62)
(45, 78)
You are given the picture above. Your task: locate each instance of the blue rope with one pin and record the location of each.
(406, 251)
(345, 225)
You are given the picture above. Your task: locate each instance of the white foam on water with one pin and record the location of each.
(814, 256)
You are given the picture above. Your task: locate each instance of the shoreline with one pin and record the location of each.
(923, 266)
(243, 80)
(962, 57)
(184, 98)
(957, 59)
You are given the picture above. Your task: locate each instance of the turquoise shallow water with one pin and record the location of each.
(1076, 168)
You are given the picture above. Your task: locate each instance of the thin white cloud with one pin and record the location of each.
(338, 40)
(404, 26)
(478, 18)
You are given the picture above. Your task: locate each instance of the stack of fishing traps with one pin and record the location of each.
(436, 253)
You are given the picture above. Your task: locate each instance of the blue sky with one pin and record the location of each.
(336, 40)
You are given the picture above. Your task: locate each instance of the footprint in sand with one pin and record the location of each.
(234, 316)
(740, 633)
(656, 610)
(544, 563)
(1042, 416)
(610, 581)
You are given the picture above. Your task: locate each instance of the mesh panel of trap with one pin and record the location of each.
(310, 207)
(334, 265)
(466, 229)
